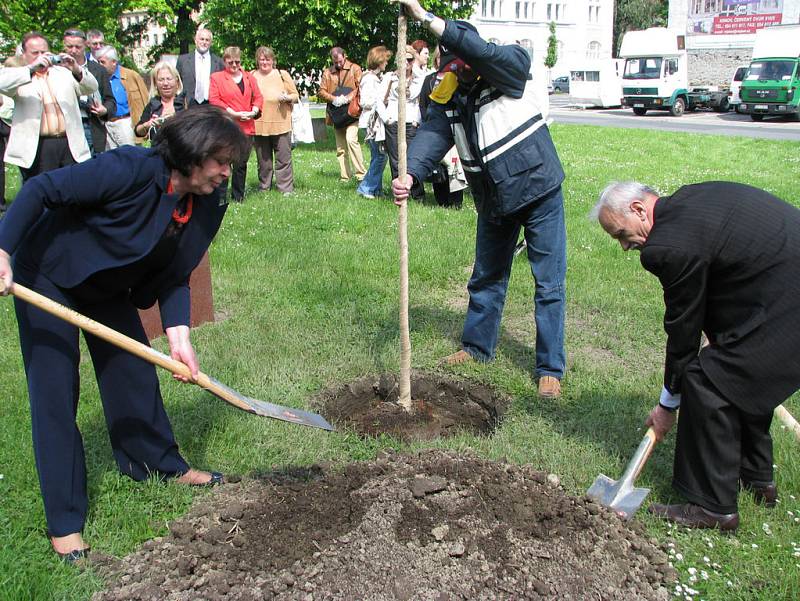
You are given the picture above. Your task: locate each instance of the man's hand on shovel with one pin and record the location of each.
(661, 421)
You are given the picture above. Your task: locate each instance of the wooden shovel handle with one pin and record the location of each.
(122, 341)
(788, 420)
(641, 456)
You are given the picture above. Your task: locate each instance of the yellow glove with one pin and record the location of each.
(445, 89)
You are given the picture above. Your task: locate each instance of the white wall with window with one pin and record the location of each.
(583, 28)
(152, 35)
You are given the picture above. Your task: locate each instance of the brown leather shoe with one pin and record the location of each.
(549, 387)
(763, 494)
(694, 516)
(457, 358)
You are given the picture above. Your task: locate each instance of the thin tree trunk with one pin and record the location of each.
(405, 339)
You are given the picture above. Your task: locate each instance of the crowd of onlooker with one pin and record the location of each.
(57, 109)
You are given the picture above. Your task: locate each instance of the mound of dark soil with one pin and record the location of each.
(441, 407)
(431, 526)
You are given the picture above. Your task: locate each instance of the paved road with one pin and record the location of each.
(699, 122)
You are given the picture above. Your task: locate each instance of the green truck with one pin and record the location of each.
(772, 84)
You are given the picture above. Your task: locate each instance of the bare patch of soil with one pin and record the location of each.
(431, 526)
(441, 407)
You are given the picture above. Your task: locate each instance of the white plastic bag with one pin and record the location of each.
(302, 128)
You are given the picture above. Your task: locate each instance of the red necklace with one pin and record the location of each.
(176, 215)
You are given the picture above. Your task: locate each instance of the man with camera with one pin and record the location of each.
(46, 130)
(95, 108)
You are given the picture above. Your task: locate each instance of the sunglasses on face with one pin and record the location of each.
(230, 62)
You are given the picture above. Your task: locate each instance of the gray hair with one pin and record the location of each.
(108, 52)
(617, 197)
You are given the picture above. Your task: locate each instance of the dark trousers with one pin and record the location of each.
(445, 198)
(5, 131)
(717, 444)
(417, 191)
(281, 146)
(52, 153)
(141, 435)
(239, 175)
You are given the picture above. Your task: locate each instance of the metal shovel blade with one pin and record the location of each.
(620, 495)
(289, 414)
(267, 409)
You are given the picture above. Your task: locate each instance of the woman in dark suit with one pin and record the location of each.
(104, 237)
(166, 99)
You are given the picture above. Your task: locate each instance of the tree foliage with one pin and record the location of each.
(552, 47)
(633, 15)
(302, 32)
(17, 17)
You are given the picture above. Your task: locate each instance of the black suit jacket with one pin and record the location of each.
(728, 258)
(73, 222)
(185, 68)
(98, 124)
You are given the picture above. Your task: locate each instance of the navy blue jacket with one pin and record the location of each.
(504, 145)
(105, 213)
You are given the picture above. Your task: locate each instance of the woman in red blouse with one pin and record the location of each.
(237, 92)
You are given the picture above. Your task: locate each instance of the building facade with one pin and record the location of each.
(720, 33)
(153, 34)
(584, 28)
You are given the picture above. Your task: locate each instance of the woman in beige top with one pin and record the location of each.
(274, 126)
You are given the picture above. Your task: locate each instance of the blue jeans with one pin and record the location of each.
(373, 180)
(87, 132)
(546, 238)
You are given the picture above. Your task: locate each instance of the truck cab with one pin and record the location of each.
(656, 75)
(736, 86)
(772, 81)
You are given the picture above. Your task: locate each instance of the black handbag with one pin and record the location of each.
(339, 114)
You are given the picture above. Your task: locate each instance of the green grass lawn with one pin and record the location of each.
(308, 287)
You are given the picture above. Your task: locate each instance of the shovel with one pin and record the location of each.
(620, 495)
(151, 355)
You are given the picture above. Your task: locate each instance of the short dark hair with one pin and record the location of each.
(195, 135)
(32, 35)
(73, 32)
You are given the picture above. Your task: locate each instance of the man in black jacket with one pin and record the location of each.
(728, 258)
(195, 68)
(95, 109)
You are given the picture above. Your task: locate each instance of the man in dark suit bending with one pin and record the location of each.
(728, 258)
(195, 68)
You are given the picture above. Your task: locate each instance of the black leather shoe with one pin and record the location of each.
(694, 516)
(216, 479)
(765, 494)
(74, 556)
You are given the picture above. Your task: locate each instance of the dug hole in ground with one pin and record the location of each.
(433, 525)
